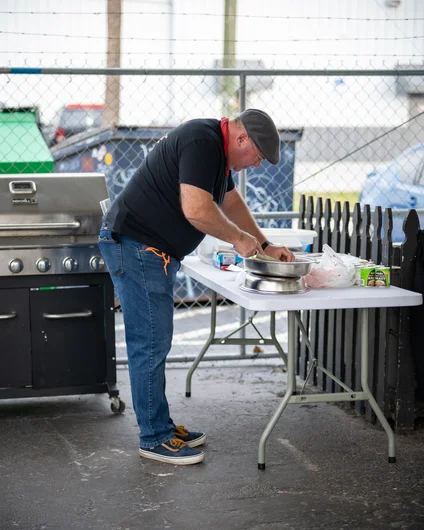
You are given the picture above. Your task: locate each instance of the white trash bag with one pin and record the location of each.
(331, 271)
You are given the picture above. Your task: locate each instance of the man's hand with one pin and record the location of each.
(247, 246)
(280, 253)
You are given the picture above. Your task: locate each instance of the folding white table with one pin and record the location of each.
(224, 283)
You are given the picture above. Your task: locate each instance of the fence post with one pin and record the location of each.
(405, 388)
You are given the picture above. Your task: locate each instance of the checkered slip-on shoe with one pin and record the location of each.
(174, 452)
(192, 439)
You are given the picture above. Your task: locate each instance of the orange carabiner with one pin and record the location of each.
(165, 257)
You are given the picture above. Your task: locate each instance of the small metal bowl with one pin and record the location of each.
(266, 266)
(268, 285)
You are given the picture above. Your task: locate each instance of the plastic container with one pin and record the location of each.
(222, 260)
(207, 248)
(292, 238)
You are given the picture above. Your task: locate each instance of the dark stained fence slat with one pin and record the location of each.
(374, 314)
(298, 357)
(382, 326)
(317, 247)
(339, 360)
(308, 220)
(331, 341)
(405, 391)
(365, 253)
(376, 239)
(322, 316)
(302, 212)
(351, 324)
(387, 244)
(392, 338)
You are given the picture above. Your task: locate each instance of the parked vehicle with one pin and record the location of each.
(397, 185)
(76, 118)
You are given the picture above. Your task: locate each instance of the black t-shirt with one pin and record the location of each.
(149, 207)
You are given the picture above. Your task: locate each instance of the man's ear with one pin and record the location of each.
(242, 139)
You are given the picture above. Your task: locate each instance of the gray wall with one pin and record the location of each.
(332, 143)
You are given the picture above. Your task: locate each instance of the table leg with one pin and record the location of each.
(365, 388)
(291, 387)
(274, 338)
(205, 347)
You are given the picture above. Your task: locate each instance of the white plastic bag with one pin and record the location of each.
(331, 271)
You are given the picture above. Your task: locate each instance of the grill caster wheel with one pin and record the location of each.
(117, 406)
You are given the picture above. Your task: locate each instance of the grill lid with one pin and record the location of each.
(50, 209)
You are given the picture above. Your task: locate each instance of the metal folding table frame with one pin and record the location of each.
(224, 283)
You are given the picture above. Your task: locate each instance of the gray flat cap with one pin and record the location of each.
(262, 130)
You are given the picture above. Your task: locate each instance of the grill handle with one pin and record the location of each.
(40, 226)
(57, 316)
(9, 316)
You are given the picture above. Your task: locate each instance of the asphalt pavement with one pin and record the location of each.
(69, 463)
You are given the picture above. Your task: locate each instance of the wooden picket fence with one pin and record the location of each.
(334, 334)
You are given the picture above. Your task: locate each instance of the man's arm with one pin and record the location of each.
(200, 210)
(235, 208)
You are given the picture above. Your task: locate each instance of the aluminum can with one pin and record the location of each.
(367, 276)
(382, 276)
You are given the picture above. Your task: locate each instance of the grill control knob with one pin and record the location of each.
(43, 265)
(16, 265)
(97, 263)
(70, 264)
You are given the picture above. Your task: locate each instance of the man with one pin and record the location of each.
(182, 191)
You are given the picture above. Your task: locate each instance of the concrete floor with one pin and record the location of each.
(69, 463)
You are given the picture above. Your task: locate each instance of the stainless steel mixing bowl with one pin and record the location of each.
(268, 285)
(266, 266)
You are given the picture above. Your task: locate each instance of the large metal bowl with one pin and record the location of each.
(266, 266)
(269, 285)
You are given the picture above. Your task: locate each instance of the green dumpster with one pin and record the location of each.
(22, 146)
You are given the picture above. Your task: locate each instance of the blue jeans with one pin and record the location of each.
(144, 280)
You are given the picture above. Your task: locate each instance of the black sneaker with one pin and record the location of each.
(192, 439)
(174, 452)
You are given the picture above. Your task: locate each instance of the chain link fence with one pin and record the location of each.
(345, 134)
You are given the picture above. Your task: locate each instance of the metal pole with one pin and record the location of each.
(123, 361)
(113, 87)
(208, 71)
(242, 190)
(229, 57)
(242, 179)
(363, 315)
(291, 388)
(171, 50)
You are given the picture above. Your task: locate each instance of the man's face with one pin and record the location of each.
(245, 154)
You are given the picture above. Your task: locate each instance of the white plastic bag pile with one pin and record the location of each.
(333, 270)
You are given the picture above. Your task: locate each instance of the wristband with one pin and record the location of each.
(265, 244)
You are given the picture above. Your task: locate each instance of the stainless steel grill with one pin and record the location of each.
(56, 297)
(49, 223)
